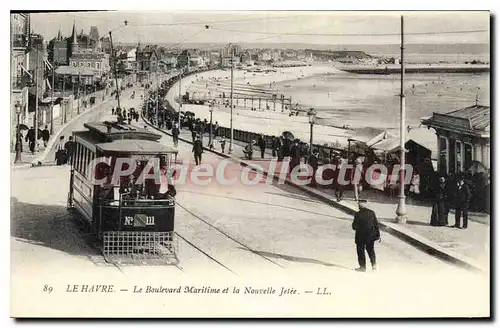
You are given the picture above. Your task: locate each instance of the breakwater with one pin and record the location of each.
(415, 69)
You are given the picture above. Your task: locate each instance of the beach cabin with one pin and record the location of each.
(463, 137)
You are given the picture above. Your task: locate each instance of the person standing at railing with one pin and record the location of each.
(262, 145)
(175, 134)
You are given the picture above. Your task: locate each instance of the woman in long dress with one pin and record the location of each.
(439, 216)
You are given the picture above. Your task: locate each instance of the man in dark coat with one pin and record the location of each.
(30, 138)
(69, 146)
(175, 134)
(45, 136)
(262, 146)
(197, 150)
(463, 196)
(367, 232)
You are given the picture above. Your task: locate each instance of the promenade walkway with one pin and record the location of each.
(469, 247)
(75, 121)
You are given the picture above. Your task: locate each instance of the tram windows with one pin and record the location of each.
(88, 158)
(80, 150)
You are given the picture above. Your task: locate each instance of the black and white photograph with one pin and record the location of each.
(250, 164)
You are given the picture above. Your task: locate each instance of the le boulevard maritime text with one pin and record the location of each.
(148, 289)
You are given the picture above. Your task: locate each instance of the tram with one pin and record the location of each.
(129, 215)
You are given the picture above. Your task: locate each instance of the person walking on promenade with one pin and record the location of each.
(45, 136)
(367, 232)
(175, 134)
(197, 150)
(193, 134)
(262, 145)
(61, 155)
(30, 138)
(463, 196)
(222, 144)
(70, 149)
(439, 216)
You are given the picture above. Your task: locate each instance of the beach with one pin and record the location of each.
(342, 98)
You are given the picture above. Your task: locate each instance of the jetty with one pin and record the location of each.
(415, 69)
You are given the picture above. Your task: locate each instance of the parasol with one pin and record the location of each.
(288, 135)
(477, 167)
(23, 127)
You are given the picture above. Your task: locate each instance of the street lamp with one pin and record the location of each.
(19, 141)
(211, 109)
(312, 118)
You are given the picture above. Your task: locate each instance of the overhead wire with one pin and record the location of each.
(348, 34)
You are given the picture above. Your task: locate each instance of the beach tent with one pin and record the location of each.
(370, 136)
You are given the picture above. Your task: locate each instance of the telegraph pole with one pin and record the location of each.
(157, 96)
(63, 116)
(37, 75)
(114, 67)
(78, 95)
(231, 102)
(180, 97)
(52, 102)
(401, 209)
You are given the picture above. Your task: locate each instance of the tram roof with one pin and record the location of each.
(135, 147)
(114, 131)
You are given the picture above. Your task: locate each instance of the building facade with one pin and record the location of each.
(147, 58)
(463, 136)
(20, 42)
(96, 61)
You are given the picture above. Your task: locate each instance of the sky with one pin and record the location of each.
(251, 27)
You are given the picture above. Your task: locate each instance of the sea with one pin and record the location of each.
(359, 100)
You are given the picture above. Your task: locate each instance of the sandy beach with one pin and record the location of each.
(264, 121)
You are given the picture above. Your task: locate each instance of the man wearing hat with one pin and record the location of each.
(367, 232)
(463, 197)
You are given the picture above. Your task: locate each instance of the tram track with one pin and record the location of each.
(225, 234)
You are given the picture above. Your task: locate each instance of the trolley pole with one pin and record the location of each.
(401, 209)
(231, 102)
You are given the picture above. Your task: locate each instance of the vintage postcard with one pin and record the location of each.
(250, 164)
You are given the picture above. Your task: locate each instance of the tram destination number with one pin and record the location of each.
(138, 219)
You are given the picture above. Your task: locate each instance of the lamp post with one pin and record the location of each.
(312, 117)
(18, 134)
(211, 109)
